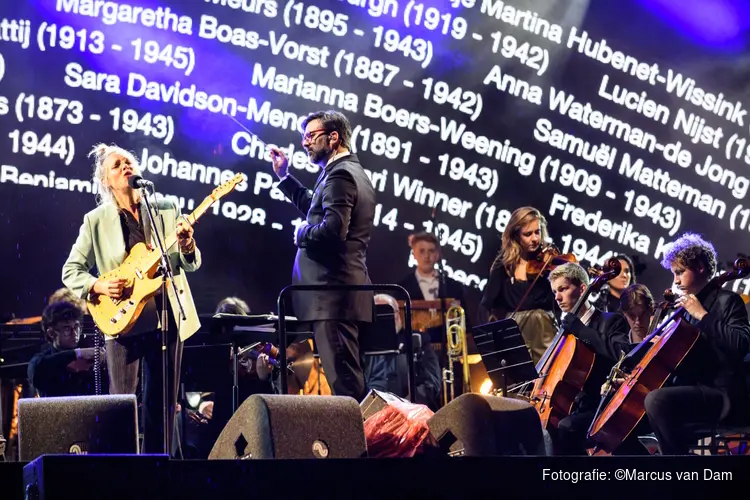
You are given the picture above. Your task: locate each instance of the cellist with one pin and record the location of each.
(599, 330)
(708, 387)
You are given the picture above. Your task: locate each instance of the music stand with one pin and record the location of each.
(504, 353)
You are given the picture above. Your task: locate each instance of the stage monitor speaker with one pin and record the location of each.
(77, 425)
(479, 425)
(289, 426)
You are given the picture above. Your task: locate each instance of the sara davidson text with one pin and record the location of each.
(634, 475)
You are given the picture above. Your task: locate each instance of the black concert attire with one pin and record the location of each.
(607, 302)
(391, 373)
(607, 334)
(535, 318)
(332, 249)
(49, 374)
(709, 386)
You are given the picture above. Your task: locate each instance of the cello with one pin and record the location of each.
(622, 413)
(567, 363)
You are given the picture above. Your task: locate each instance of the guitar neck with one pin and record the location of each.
(192, 217)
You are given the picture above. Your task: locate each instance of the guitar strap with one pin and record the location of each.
(146, 223)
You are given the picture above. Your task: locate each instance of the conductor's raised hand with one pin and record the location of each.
(280, 162)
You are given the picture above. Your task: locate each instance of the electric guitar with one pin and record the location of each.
(116, 317)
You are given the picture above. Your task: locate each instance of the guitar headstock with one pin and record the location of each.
(227, 187)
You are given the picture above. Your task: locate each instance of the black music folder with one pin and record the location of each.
(504, 353)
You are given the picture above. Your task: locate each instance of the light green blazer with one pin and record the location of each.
(101, 243)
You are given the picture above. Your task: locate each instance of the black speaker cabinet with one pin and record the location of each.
(288, 426)
(77, 425)
(478, 425)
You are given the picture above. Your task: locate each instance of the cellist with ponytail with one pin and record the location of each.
(709, 386)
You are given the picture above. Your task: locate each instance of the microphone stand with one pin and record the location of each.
(166, 274)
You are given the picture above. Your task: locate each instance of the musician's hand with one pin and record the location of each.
(692, 305)
(280, 162)
(87, 353)
(262, 367)
(616, 382)
(206, 408)
(572, 323)
(297, 231)
(185, 236)
(111, 288)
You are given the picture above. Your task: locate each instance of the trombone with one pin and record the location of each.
(456, 350)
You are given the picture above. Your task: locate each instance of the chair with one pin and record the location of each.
(720, 440)
(381, 337)
(379, 345)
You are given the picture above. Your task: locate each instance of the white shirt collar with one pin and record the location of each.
(337, 156)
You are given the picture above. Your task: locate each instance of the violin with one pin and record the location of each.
(247, 357)
(548, 259)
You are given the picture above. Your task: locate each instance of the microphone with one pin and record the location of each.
(136, 181)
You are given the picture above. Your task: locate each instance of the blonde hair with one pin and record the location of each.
(510, 250)
(100, 152)
(572, 272)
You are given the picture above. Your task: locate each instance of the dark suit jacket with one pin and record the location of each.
(333, 247)
(717, 358)
(606, 335)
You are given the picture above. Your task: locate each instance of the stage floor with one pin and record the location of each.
(154, 476)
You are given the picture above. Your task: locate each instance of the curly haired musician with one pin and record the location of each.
(508, 283)
(604, 333)
(62, 368)
(709, 386)
(107, 235)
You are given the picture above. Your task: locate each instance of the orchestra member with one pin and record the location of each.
(508, 282)
(261, 366)
(424, 283)
(256, 376)
(600, 331)
(66, 295)
(708, 387)
(638, 306)
(390, 373)
(61, 368)
(332, 246)
(609, 298)
(232, 305)
(107, 235)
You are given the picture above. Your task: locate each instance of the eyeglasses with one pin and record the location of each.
(308, 137)
(69, 330)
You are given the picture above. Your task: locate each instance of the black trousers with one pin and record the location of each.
(674, 413)
(338, 346)
(570, 437)
(124, 355)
